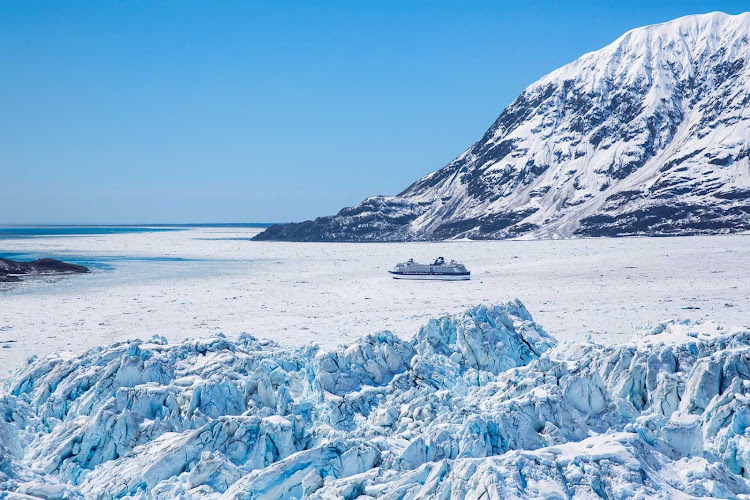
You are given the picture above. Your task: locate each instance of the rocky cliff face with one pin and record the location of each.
(647, 136)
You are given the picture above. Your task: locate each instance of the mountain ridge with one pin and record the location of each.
(646, 136)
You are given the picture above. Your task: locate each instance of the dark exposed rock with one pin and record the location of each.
(668, 220)
(11, 270)
(8, 278)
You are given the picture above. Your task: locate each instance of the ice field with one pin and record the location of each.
(582, 391)
(198, 282)
(483, 404)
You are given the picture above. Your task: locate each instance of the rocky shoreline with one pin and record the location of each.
(11, 271)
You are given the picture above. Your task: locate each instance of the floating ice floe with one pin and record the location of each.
(483, 404)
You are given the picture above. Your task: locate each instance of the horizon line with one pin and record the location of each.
(159, 224)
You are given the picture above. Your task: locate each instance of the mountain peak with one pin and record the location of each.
(646, 136)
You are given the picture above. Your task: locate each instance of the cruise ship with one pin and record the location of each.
(438, 270)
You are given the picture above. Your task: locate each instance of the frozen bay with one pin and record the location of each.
(196, 282)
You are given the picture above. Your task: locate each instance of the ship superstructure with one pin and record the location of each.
(438, 270)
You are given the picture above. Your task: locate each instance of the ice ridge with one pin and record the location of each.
(482, 404)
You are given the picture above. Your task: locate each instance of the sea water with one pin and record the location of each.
(127, 266)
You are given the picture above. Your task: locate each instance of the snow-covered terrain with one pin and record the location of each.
(483, 404)
(199, 282)
(648, 135)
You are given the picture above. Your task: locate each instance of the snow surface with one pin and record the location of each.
(482, 404)
(337, 292)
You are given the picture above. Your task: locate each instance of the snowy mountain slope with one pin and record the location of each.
(447, 414)
(649, 135)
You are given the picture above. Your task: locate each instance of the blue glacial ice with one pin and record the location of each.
(482, 404)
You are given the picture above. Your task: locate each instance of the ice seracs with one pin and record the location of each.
(483, 404)
(646, 136)
(438, 270)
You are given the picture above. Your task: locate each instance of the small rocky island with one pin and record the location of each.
(12, 271)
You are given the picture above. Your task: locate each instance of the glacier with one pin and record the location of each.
(482, 404)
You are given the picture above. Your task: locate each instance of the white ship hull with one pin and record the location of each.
(437, 271)
(434, 277)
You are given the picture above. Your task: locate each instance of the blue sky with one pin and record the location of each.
(185, 111)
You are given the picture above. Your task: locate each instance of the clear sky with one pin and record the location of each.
(224, 111)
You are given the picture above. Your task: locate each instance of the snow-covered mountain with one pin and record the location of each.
(649, 135)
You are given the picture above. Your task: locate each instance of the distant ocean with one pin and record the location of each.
(97, 262)
(53, 230)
